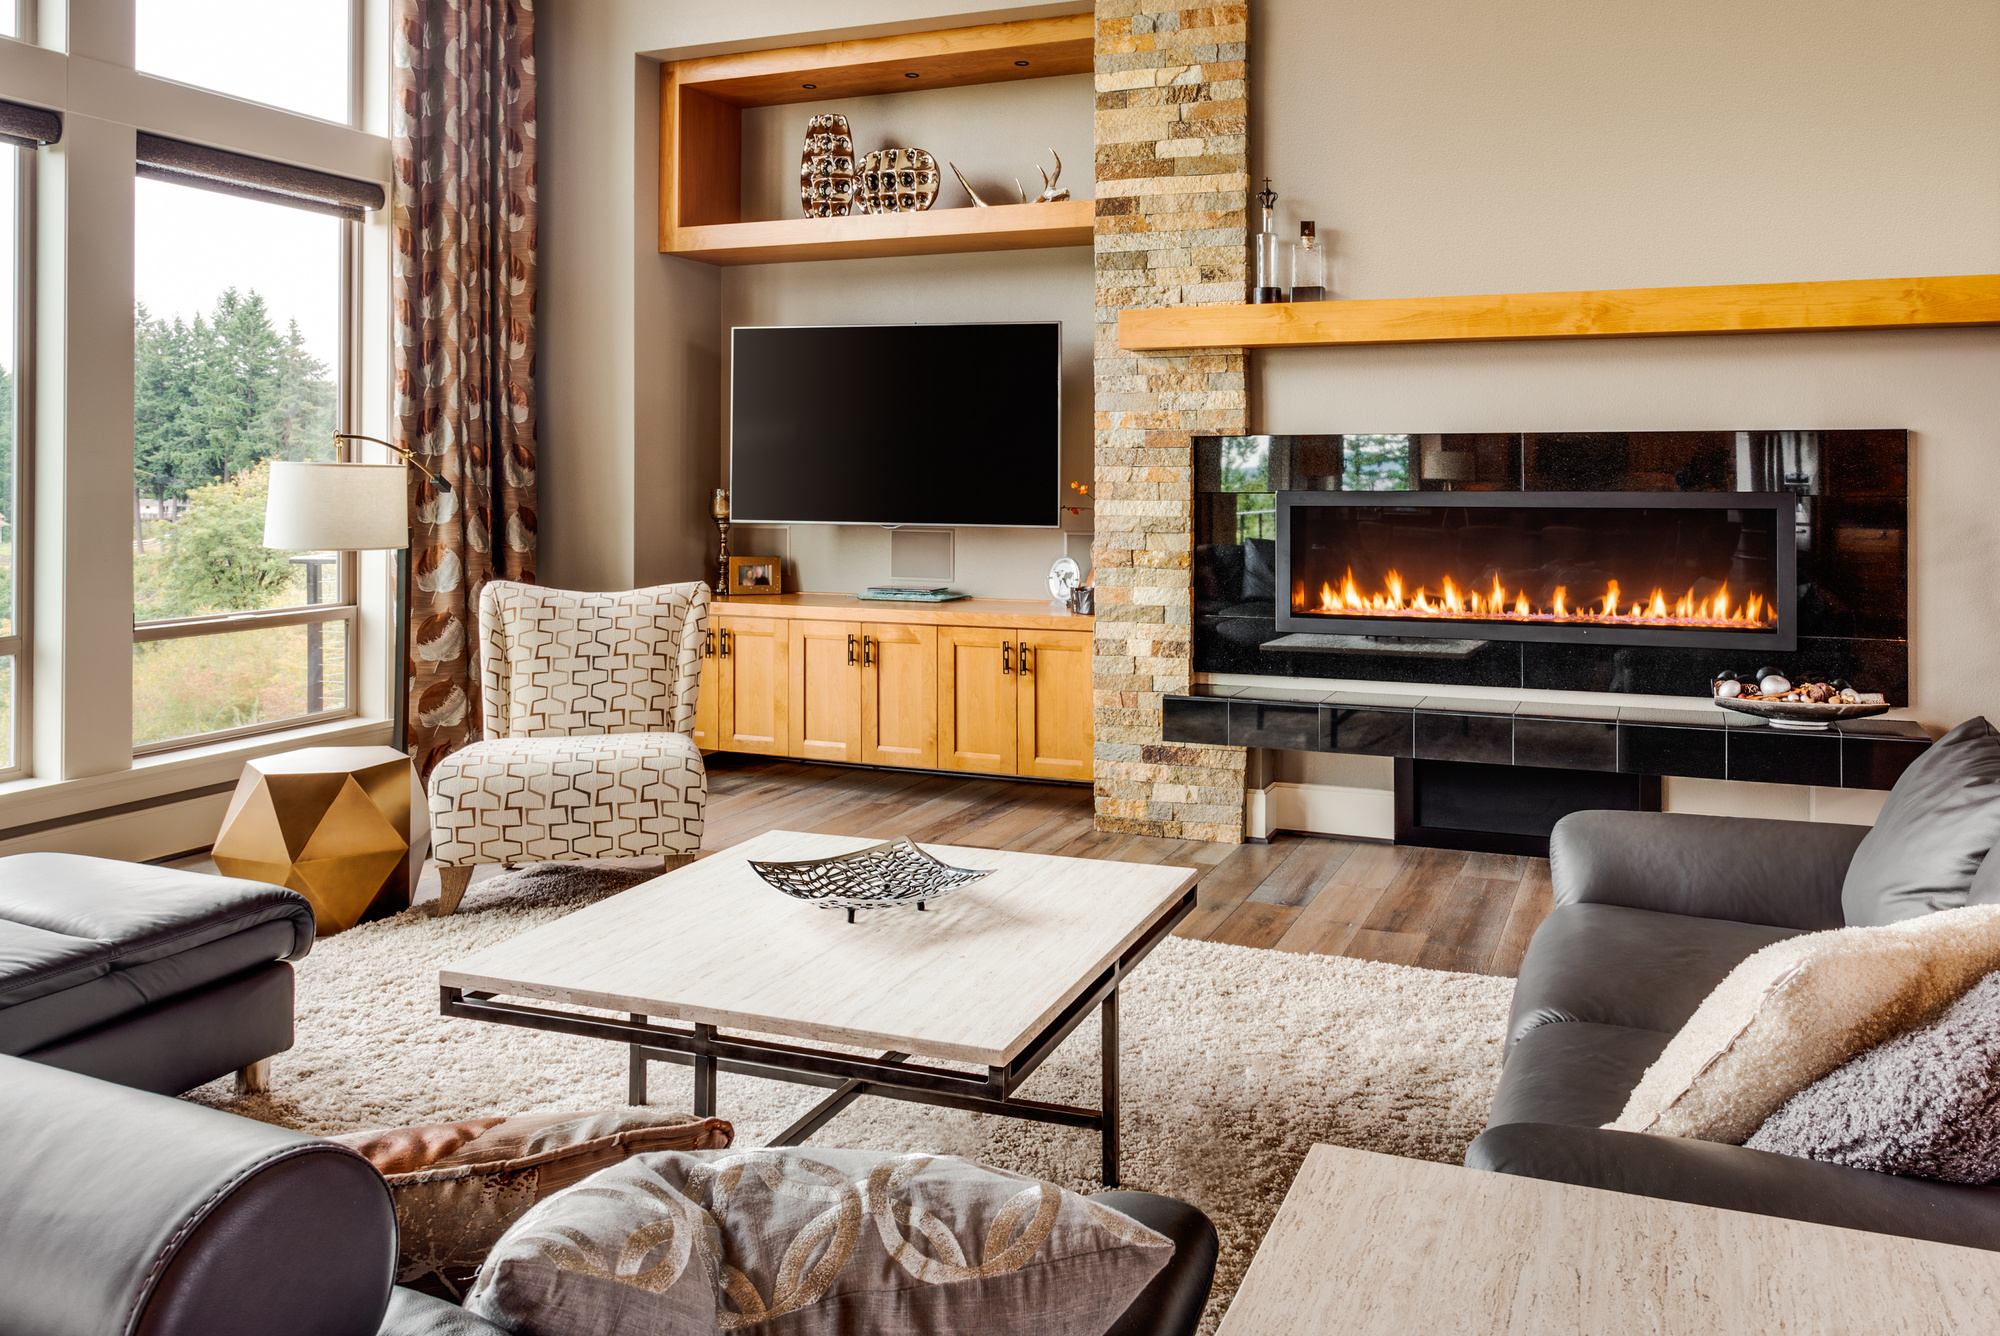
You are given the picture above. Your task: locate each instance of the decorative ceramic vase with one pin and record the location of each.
(896, 180)
(826, 168)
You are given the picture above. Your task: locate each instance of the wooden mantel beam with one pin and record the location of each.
(1746, 308)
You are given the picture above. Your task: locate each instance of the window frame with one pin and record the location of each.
(19, 645)
(346, 606)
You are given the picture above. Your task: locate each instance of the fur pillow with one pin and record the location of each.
(1926, 1103)
(458, 1186)
(806, 1242)
(1797, 1009)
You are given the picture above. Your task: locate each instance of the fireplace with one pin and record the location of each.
(1690, 570)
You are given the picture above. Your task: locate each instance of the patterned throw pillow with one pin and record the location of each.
(1797, 1009)
(815, 1241)
(458, 1186)
(1926, 1103)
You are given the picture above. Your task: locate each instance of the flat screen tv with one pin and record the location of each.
(896, 424)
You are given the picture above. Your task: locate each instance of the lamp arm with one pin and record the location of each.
(408, 457)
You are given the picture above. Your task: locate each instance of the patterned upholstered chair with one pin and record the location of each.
(588, 704)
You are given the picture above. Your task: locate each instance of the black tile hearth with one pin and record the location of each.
(1484, 738)
(1874, 753)
(1286, 727)
(1573, 744)
(1194, 719)
(1773, 756)
(1650, 749)
(1368, 732)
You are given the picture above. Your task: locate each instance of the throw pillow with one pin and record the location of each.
(815, 1241)
(1933, 832)
(1926, 1103)
(457, 1187)
(1797, 1009)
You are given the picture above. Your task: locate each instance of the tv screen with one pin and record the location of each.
(896, 424)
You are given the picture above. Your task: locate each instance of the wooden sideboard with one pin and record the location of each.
(996, 686)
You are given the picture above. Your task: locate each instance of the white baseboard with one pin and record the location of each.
(153, 832)
(1320, 809)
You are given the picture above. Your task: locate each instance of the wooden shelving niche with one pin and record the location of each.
(701, 143)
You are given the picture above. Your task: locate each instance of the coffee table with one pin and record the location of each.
(995, 975)
(1373, 1245)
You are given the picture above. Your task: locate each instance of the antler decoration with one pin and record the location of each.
(1049, 195)
(976, 201)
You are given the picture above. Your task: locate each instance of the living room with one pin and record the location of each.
(554, 549)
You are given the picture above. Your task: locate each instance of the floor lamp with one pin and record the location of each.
(350, 508)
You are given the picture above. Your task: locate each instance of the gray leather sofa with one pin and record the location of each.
(122, 1211)
(1652, 910)
(142, 975)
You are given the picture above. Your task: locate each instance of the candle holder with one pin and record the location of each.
(720, 509)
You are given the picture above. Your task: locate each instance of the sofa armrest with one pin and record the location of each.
(1736, 1178)
(1784, 874)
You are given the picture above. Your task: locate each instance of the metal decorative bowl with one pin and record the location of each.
(1798, 714)
(881, 876)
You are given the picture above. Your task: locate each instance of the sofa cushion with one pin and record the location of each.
(800, 1241)
(1797, 1009)
(1577, 1074)
(1638, 968)
(138, 912)
(1926, 1103)
(1932, 834)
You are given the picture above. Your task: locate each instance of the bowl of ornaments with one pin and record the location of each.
(1807, 704)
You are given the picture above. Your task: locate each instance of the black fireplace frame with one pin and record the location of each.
(1784, 599)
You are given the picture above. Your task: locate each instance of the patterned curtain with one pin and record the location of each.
(464, 308)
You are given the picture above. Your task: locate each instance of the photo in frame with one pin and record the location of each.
(752, 576)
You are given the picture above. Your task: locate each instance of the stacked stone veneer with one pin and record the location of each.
(1172, 182)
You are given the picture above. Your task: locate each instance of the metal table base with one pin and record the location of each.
(890, 1076)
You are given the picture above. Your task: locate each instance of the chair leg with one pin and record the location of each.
(452, 882)
(254, 1079)
(671, 861)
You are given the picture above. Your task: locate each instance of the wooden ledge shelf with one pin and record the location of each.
(701, 142)
(932, 232)
(1748, 308)
(1033, 614)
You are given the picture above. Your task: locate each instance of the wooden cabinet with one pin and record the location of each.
(899, 673)
(976, 699)
(1053, 706)
(752, 708)
(918, 689)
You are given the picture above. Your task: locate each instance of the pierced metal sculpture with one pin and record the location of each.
(896, 180)
(882, 876)
(826, 168)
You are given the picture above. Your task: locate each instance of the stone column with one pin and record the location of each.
(1172, 181)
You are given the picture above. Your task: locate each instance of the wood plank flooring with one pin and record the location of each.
(1471, 913)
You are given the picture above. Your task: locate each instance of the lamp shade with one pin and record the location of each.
(341, 507)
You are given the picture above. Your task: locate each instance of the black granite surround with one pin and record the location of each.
(1696, 741)
(1851, 535)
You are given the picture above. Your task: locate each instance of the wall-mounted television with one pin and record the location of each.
(896, 424)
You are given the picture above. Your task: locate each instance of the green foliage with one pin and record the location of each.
(7, 447)
(213, 558)
(214, 396)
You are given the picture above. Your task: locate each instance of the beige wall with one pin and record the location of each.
(1474, 147)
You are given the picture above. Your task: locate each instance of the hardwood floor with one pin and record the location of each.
(1471, 913)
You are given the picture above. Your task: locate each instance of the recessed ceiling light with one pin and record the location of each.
(909, 76)
(1020, 62)
(808, 85)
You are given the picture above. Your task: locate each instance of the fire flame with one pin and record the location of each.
(1719, 609)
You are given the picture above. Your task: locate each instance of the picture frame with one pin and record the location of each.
(755, 577)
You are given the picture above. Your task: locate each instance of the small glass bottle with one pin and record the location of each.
(1308, 266)
(1269, 269)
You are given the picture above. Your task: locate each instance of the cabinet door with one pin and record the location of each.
(1054, 672)
(708, 697)
(899, 698)
(976, 699)
(826, 691)
(752, 653)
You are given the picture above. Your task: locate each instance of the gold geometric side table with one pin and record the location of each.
(346, 827)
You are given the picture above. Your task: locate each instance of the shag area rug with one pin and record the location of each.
(1235, 1062)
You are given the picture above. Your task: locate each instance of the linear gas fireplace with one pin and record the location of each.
(1695, 570)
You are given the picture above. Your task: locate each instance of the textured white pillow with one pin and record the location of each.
(1797, 1009)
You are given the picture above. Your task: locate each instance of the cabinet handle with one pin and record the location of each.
(725, 642)
(1007, 656)
(1027, 663)
(867, 658)
(850, 651)
(708, 644)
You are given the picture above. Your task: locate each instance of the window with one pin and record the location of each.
(15, 166)
(241, 308)
(294, 54)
